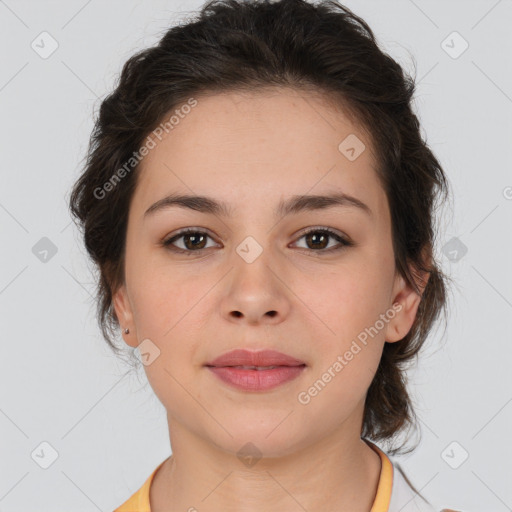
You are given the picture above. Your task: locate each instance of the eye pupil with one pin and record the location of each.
(194, 237)
(315, 237)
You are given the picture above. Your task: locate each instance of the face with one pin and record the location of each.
(252, 277)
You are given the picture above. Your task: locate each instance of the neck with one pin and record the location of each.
(337, 473)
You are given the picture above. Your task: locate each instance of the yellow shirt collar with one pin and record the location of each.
(139, 501)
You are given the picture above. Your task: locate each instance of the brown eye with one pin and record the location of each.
(317, 239)
(193, 241)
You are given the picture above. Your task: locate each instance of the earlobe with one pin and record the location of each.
(123, 311)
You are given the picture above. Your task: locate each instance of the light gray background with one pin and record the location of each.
(59, 382)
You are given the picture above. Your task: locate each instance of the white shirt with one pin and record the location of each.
(403, 497)
(394, 493)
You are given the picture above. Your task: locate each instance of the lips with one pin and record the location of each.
(255, 360)
(256, 371)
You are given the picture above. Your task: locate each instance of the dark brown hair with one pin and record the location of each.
(322, 49)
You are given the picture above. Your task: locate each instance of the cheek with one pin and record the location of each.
(166, 297)
(348, 306)
(345, 302)
(169, 310)
(174, 337)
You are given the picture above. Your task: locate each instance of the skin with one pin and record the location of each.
(251, 151)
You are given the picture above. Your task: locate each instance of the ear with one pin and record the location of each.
(409, 300)
(123, 309)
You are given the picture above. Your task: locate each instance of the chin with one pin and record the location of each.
(262, 441)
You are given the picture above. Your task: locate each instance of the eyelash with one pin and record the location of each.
(344, 243)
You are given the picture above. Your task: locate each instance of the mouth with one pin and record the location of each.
(256, 371)
(258, 368)
(260, 360)
(256, 378)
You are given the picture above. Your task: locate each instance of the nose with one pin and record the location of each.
(255, 294)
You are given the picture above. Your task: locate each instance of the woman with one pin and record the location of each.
(260, 204)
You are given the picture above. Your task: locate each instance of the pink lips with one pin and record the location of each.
(242, 357)
(228, 367)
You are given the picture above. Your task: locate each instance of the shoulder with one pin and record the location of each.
(139, 500)
(406, 498)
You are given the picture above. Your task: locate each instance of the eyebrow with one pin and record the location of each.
(292, 205)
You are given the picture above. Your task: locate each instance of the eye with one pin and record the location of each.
(318, 238)
(194, 241)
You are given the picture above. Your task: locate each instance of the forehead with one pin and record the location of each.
(271, 143)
